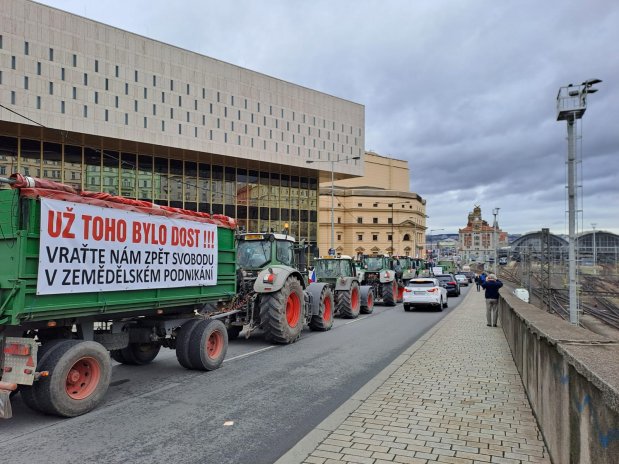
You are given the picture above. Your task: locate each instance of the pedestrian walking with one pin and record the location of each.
(492, 286)
(478, 281)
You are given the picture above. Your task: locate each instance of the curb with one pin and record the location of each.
(299, 452)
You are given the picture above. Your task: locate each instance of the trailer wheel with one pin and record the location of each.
(183, 341)
(79, 377)
(389, 293)
(208, 345)
(367, 300)
(349, 302)
(234, 331)
(282, 312)
(136, 354)
(324, 320)
(30, 394)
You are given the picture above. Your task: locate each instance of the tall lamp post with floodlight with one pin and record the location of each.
(337, 160)
(571, 105)
(495, 238)
(595, 257)
(431, 247)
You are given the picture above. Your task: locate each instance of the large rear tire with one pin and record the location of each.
(183, 338)
(348, 302)
(282, 312)
(324, 320)
(136, 354)
(389, 293)
(208, 345)
(79, 376)
(367, 306)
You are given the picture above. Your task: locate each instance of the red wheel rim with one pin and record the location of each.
(400, 293)
(370, 300)
(293, 310)
(83, 378)
(214, 344)
(354, 298)
(326, 315)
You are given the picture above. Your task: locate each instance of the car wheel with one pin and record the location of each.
(407, 307)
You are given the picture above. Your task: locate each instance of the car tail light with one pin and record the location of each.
(432, 290)
(451, 283)
(408, 290)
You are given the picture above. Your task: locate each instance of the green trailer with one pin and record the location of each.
(85, 274)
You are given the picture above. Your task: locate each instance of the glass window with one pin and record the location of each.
(128, 174)
(30, 163)
(176, 183)
(145, 177)
(92, 170)
(191, 185)
(217, 189)
(204, 188)
(52, 160)
(8, 157)
(110, 172)
(72, 169)
(160, 180)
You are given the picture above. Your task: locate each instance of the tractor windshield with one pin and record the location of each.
(253, 254)
(327, 268)
(374, 264)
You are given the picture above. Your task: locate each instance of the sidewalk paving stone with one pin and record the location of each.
(456, 399)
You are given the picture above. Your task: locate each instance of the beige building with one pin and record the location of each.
(479, 240)
(106, 110)
(374, 214)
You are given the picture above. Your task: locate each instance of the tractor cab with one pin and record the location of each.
(257, 251)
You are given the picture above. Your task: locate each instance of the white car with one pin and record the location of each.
(424, 292)
(462, 279)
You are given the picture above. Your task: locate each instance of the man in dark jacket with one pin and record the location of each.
(491, 286)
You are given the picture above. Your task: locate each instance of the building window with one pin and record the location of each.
(375, 237)
(74, 60)
(96, 98)
(26, 82)
(406, 238)
(126, 119)
(389, 220)
(12, 97)
(389, 237)
(74, 93)
(154, 81)
(117, 71)
(85, 78)
(126, 88)
(359, 220)
(107, 116)
(51, 54)
(38, 68)
(62, 107)
(26, 48)
(96, 65)
(360, 237)
(360, 205)
(136, 76)
(116, 101)
(85, 111)
(38, 103)
(62, 74)
(375, 205)
(339, 220)
(339, 237)
(374, 220)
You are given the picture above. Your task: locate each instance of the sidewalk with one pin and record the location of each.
(455, 396)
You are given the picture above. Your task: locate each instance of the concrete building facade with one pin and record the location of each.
(374, 214)
(107, 110)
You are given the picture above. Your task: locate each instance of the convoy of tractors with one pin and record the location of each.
(86, 274)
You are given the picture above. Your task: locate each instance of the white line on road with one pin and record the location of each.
(356, 320)
(250, 353)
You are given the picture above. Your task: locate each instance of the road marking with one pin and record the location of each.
(356, 320)
(250, 353)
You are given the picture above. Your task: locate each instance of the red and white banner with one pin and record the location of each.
(86, 248)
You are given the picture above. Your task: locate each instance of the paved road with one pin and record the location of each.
(274, 395)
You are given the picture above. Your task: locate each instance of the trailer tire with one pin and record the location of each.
(183, 338)
(349, 302)
(208, 345)
(137, 354)
(79, 377)
(282, 312)
(324, 320)
(30, 394)
(389, 293)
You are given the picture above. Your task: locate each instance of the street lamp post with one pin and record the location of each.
(495, 239)
(571, 105)
(332, 190)
(431, 248)
(594, 250)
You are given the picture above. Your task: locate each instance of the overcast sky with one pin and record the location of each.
(465, 91)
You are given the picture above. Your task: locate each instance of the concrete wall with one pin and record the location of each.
(571, 376)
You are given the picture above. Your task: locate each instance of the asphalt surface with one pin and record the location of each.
(259, 404)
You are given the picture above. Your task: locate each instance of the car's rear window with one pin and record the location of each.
(422, 283)
(444, 278)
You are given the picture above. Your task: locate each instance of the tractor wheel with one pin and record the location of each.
(79, 376)
(367, 306)
(282, 312)
(390, 290)
(324, 320)
(234, 332)
(348, 302)
(136, 354)
(30, 394)
(208, 345)
(183, 338)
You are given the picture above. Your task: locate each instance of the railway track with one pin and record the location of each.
(596, 295)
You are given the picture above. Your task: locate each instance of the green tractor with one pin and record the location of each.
(381, 273)
(407, 266)
(340, 275)
(272, 292)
